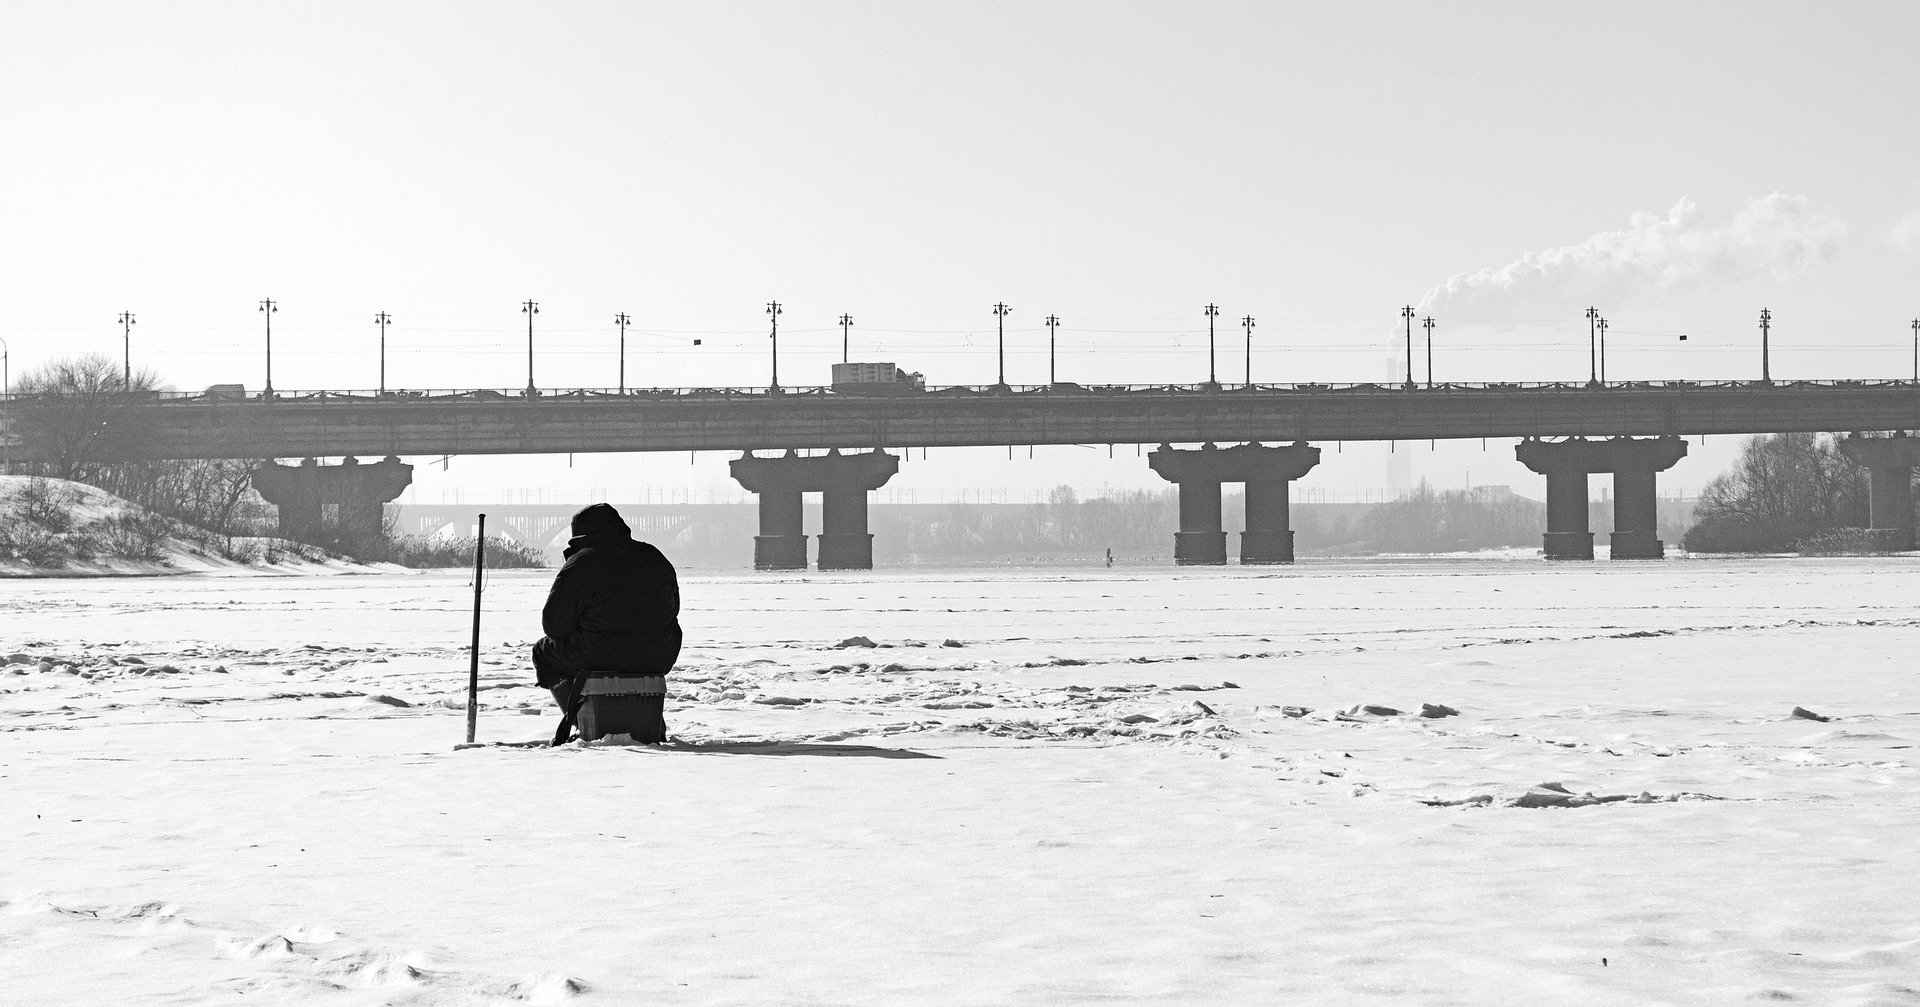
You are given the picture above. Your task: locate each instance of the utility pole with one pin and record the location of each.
(1212, 312)
(1601, 324)
(530, 309)
(267, 307)
(126, 351)
(1000, 312)
(623, 321)
(1593, 359)
(1407, 313)
(1247, 324)
(1053, 322)
(1916, 349)
(846, 322)
(773, 311)
(381, 320)
(1766, 321)
(6, 396)
(1427, 324)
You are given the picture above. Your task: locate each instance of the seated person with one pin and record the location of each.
(614, 607)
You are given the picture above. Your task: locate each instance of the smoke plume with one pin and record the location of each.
(1654, 257)
(1905, 233)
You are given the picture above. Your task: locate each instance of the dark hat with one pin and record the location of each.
(599, 519)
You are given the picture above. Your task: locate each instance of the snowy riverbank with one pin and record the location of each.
(225, 791)
(59, 528)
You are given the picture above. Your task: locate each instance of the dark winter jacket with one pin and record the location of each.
(614, 606)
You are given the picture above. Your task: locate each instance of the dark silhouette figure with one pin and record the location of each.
(614, 610)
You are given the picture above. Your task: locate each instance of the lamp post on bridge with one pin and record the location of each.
(126, 350)
(1247, 324)
(846, 324)
(1407, 313)
(773, 312)
(1000, 313)
(1766, 322)
(381, 320)
(530, 309)
(1593, 359)
(1212, 312)
(1053, 322)
(1427, 324)
(1601, 324)
(267, 308)
(623, 321)
(1916, 349)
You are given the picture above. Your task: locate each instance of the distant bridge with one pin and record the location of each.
(321, 424)
(541, 525)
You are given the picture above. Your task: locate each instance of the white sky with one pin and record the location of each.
(1120, 165)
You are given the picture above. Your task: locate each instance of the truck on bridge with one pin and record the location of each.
(876, 379)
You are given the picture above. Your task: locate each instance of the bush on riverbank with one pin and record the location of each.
(1786, 493)
(434, 553)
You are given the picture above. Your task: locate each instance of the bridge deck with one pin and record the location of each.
(585, 421)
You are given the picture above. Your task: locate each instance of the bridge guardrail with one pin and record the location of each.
(369, 397)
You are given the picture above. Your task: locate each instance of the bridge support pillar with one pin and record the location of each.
(1200, 542)
(1267, 472)
(303, 493)
(782, 543)
(1567, 536)
(1269, 534)
(1633, 463)
(844, 541)
(843, 481)
(1889, 462)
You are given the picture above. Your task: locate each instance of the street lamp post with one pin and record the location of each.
(1916, 349)
(846, 323)
(1053, 322)
(381, 320)
(623, 321)
(1427, 324)
(1601, 324)
(1247, 324)
(1407, 313)
(267, 308)
(1766, 322)
(126, 350)
(530, 309)
(773, 312)
(1000, 313)
(1212, 312)
(1593, 359)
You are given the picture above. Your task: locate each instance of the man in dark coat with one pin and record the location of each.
(615, 607)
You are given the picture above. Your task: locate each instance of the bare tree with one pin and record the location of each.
(83, 416)
(80, 414)
(1784, 489)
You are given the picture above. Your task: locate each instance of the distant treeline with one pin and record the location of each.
(1423, 521)
(1138, 526)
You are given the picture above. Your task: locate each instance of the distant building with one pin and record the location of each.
(1399, 471)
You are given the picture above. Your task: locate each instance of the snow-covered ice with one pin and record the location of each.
(1208, 786)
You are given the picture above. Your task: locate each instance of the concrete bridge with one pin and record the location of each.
(1641, 425)
(322, 424)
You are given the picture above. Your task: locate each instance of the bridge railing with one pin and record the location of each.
(371, 397)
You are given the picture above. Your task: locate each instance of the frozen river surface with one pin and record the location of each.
(1036, 787)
